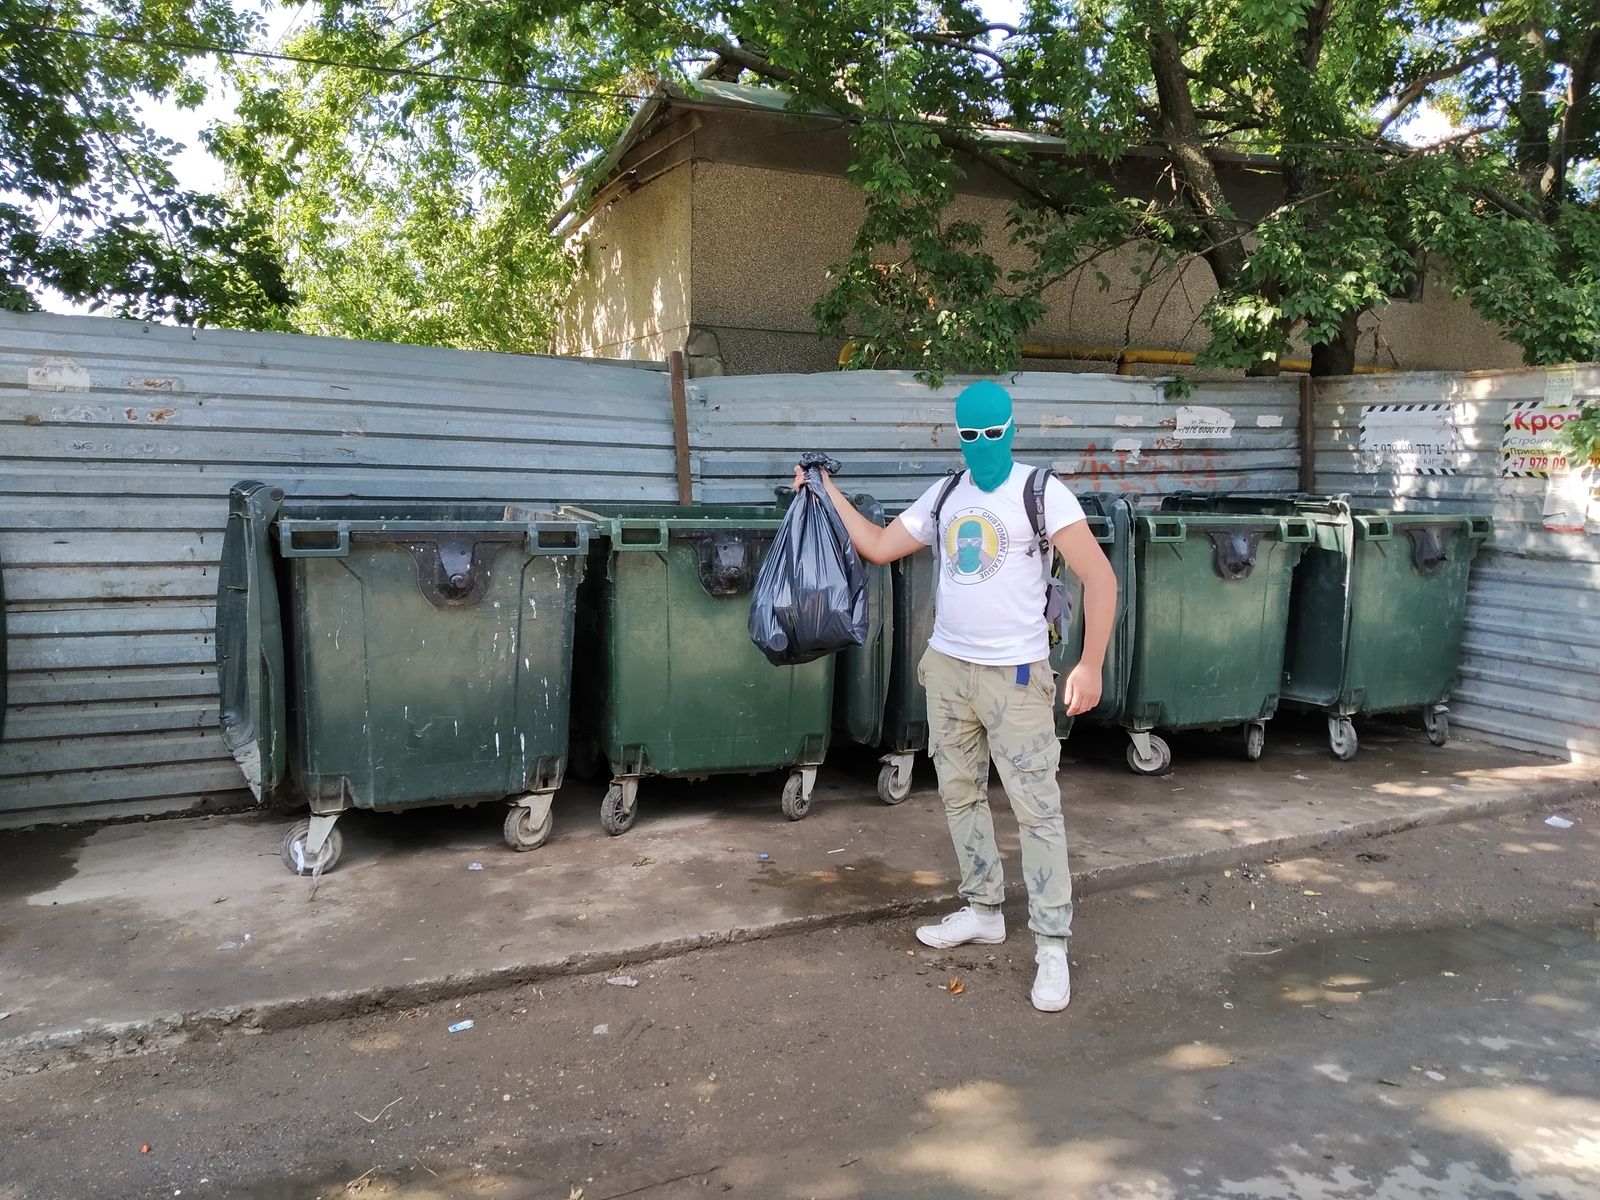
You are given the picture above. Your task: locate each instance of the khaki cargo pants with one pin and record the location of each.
(975, 713)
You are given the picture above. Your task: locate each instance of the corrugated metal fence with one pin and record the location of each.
(1100, 432)
(121, 441)
(118, 444)
(1530, 675)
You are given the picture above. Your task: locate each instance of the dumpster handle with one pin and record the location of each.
(1101, 528)
(558, 539)
(1165, 529)
(1478, 527)
(1291, 530)
(620, 529)
(1374, 529)
(288, 549)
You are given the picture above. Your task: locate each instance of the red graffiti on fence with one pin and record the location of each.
(1167, 469)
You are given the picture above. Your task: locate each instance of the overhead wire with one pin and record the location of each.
(703, 102)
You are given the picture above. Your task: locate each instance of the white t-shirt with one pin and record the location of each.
(989, 599)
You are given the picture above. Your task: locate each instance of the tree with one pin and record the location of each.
(91, 208)
(416, 197)
(414, 190)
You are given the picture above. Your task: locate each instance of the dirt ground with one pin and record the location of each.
(1211, 1022)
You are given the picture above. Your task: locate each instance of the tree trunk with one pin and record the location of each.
(1338, 357)
(1181, 129)
(1553, 184)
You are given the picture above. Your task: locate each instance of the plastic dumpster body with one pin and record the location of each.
(389, 656)
(905, 723)
(1211, 617)
(1378, 609)
(861, 674)
(669, 682)
(1111, 521)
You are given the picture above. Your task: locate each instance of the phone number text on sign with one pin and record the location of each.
(1526, 447)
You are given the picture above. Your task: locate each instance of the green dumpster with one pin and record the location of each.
(1211, 612)
(1111, 521)
(1378, 610)
(669, 682)
(861, 674)
(1400, 616)
(904, 731)
(905, 723)
(388, 656)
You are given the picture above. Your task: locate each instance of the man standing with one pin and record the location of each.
(991, 691)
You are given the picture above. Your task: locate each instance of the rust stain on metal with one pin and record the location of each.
(130, 414)
(161, 414)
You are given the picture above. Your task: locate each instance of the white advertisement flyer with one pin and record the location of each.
(1410, 439)
(1202, 421)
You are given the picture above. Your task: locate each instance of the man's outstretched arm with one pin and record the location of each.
(875, 543)
(1088, 562)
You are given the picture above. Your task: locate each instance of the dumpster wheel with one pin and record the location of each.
(293, 849)
(526, 828)
(620, 807)
(894, 778)
(1157, 762)
(1436, 721)
(1255, 739)
(1342, 738)
(797, 792)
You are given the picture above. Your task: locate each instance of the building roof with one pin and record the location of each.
(712, 95)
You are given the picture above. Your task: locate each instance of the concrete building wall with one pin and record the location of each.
(763, 240)
(631, 296)
(725, 254)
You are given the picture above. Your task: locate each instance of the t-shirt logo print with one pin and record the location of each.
(975, 545)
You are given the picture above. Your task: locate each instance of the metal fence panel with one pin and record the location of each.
(118, 444)
(895, 434)
(1530, 673)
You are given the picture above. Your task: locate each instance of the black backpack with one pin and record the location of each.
(1057, 600)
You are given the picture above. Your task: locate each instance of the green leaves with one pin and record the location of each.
(415, 203)
(96, 214)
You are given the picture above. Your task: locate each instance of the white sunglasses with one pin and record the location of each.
(993, 434)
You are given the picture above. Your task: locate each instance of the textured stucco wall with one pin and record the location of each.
(763, 240)
(735, 254)
(631, 295)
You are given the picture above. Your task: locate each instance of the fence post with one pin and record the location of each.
(680, 427)
(1308, 434)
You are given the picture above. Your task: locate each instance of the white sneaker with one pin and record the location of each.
(1052, 986)
(963, 926)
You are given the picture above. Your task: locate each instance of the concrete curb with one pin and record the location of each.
(130, 1037)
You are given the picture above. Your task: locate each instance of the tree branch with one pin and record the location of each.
(1504, 202)
(1181, 129)
(1417, 88)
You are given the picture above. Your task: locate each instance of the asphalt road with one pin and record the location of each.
(1414, 1016)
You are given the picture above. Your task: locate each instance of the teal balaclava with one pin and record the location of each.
(982, 406)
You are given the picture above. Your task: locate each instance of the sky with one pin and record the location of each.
(195, 168)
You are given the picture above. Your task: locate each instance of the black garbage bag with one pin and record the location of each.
(810, 598)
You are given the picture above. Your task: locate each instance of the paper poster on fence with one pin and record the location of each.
(1203, 421)
(1410, 439)
(1526, 447)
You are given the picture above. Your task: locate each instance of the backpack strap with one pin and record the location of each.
(1057, 600)
(945, 489)
(1033, 504)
